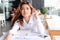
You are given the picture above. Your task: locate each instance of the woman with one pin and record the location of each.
(26, 20)
(17, 13)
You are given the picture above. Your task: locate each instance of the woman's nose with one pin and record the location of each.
(24, 10)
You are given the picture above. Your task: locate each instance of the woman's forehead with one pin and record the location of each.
(25, 5)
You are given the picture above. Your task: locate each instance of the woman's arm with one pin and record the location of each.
(13, 31)
(40, 27)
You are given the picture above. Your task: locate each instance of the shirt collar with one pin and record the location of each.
(30, 21)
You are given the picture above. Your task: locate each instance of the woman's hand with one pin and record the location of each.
(37, 13)
(9, 37)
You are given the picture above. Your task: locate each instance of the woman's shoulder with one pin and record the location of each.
(16, 22)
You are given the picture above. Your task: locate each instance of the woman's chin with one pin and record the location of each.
(26, 16)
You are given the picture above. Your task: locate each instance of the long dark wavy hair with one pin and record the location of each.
(18, 15)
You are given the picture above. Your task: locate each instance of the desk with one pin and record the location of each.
(28, 35)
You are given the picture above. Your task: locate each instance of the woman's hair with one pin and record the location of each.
(18, 15)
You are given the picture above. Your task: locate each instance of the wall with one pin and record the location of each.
(38, 3)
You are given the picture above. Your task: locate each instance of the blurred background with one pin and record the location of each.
(6, 7)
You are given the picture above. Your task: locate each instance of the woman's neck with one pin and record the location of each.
(27, 19)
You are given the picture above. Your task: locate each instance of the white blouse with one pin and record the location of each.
(33, 25)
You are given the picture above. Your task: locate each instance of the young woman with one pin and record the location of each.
(26, 20)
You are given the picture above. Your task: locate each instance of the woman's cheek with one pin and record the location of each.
(22, 13)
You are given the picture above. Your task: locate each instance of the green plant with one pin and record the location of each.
(43, 10)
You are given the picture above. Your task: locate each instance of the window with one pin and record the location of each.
(1, 8)
(53, 6)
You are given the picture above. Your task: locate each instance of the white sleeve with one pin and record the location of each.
(40, 26)
(14, 28)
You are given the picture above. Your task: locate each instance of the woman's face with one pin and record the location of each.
(26, 10)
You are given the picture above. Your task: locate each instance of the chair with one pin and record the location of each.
(54, 33)
(53, 27)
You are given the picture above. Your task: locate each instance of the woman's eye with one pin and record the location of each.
(27, 8)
